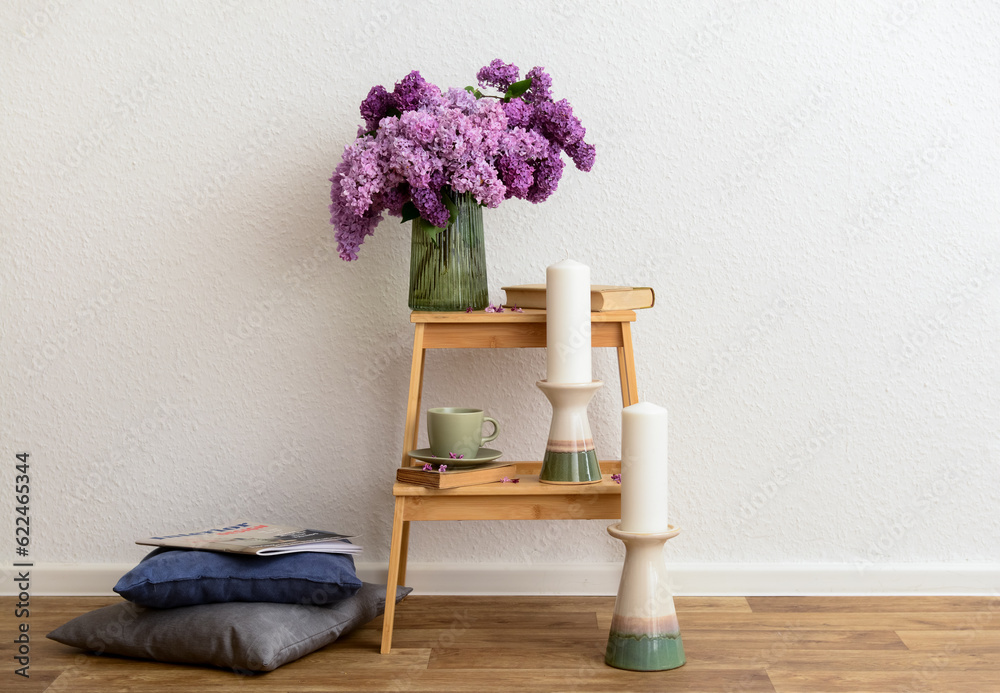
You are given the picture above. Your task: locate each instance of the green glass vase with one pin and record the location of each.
(448, 268)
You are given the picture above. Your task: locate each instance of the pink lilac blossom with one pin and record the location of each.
(498, 74)
(413, 92)
(541, 86)
(518, 113)
(421, 144)
(375, 106)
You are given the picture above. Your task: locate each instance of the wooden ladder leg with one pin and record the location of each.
(416, 390)
(626, 367)
(404, 552)
(396, 559)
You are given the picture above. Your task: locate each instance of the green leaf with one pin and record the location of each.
(392, 111)
(430, 229)
(450, 204)
(410, 212)
(517, 88)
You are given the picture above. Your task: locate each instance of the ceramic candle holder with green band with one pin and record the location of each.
(458, 431)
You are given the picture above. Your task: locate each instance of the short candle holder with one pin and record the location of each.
(570, 457)
(645, 635)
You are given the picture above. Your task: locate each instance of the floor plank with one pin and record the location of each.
(874, 604)
(528, 644)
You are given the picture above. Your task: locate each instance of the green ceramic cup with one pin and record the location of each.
(457, 431)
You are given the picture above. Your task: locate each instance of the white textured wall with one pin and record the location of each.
(813, 191)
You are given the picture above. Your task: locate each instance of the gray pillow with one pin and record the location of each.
(243, 636)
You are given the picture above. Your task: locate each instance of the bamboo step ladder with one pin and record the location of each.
(529, 499)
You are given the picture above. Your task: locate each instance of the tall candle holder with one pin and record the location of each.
(570, 457)
(645, 635)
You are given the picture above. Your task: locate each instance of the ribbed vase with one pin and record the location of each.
(448, 269)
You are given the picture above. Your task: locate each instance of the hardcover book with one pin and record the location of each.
(471, 476)
(603, 297)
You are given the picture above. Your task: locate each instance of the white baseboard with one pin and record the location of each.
(705, 579)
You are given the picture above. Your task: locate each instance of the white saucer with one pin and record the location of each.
(482, 456)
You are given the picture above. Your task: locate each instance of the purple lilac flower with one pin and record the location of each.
(430, 206)
(395, 198)
(375, 106)
(520, 149)
(498, 74)
(428, 467)
(541, 86)
(617, 478)
(363, 176)
(547, 176)
(443, 468)
(515, 309)
(413, 92)
(427, 144)
(351, 229)
(518, 113)
(454, 456)
(556, 121)
(461, 99)
(582, 155)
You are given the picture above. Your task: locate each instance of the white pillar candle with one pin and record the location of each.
(644, 469)
(567, 304)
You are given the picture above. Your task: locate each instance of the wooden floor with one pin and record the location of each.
(781, 644)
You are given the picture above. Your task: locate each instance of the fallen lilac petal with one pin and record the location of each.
(428, 467)
(617, 478)
(443, 468)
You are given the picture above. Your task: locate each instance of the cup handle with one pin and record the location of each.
(496, 430)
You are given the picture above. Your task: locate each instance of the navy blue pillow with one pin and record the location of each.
(166, 578)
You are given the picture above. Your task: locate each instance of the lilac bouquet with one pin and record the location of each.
(420, 147)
